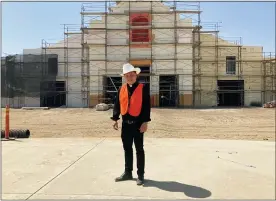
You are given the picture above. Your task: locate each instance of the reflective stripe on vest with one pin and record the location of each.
(133, 105)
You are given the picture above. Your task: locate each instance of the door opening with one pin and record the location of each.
(111, 86)
(230, 93)
(52, 94)
(168, 91)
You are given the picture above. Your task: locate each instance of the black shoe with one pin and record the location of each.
(125, 176)
(140, 181)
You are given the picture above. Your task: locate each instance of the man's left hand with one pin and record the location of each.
(144, 127)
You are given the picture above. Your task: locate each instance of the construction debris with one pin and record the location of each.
(35, 108)
(111, 106)
(102, 107)
(271, 104)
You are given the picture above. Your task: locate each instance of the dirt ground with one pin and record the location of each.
(245, 123)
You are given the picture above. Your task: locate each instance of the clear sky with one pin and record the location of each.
(25, 24)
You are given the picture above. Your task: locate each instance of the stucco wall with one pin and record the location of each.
(18, 102)
(117, 52)
(250, 69)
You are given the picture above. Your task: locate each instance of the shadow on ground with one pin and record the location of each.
(11, 140)
(172, 186)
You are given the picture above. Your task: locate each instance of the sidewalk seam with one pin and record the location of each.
(65, 169)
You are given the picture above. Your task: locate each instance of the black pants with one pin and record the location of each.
(130, 133)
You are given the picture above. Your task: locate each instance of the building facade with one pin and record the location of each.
(184, 63)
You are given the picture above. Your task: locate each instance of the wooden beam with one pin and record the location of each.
(144, 62)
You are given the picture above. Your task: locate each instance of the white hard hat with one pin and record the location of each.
(130, 68)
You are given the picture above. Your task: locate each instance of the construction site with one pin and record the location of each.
(209, 136)
(184, 60)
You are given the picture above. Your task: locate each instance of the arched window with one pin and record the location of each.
(141, 34)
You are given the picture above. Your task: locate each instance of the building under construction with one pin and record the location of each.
(185, 61)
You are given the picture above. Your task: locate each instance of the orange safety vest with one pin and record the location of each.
(132, 105)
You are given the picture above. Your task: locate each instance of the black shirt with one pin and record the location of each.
(146, 106)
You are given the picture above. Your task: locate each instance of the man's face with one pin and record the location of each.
(131, 77)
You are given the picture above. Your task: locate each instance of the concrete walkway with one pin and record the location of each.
(175, 168)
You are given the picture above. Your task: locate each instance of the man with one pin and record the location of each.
(133, 103)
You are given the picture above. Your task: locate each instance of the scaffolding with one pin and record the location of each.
(26, 79)
(111, 29)
(183, 60)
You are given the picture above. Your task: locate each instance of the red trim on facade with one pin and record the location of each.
(141, 36)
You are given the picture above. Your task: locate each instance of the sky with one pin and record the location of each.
(25, 24)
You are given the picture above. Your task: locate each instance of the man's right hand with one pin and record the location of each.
(115, 125)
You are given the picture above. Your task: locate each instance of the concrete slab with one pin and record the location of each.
(28, 164)
(175, 169)
(16, 196)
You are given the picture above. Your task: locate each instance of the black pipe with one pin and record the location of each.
(17, 133)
